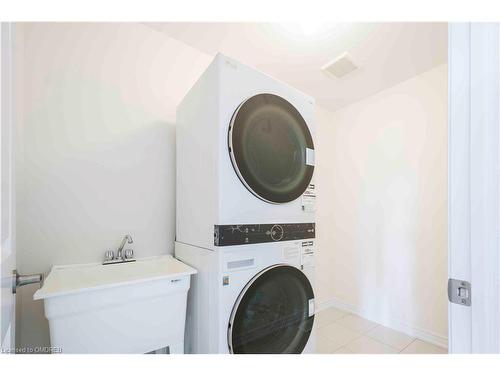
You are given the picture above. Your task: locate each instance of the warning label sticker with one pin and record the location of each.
(309, 199)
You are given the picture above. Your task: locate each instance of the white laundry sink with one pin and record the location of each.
(135, 307)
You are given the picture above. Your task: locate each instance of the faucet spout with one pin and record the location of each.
(127, 238)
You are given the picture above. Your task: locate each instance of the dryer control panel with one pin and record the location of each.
(229, 235)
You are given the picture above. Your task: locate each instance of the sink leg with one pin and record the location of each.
(177, 348)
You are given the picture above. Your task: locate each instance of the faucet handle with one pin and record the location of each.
(109, 255)
(129, 254)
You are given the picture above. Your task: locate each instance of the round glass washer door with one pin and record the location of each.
(271, 148)
(273, 314)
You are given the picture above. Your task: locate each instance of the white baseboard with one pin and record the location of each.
(419, 333)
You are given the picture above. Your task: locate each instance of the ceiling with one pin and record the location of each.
(387, 53)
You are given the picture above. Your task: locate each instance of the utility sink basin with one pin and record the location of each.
(135, 307)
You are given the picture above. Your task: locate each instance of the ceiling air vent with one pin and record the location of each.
(340, 66)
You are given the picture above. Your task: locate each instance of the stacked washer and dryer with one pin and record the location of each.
(245, 212)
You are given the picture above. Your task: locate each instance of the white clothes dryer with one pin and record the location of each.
(245, 153)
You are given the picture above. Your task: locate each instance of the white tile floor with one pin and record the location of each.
(340, 332)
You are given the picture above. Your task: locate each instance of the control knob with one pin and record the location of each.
(277, 232)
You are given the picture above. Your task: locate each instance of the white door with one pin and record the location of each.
(7, 251)
(474, 190)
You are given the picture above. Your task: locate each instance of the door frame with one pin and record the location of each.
(7, 191)
(473, 184)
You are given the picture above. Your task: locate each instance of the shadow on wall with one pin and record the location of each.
(124, 186)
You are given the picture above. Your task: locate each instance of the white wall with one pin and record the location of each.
(382, 206)
(95, 146)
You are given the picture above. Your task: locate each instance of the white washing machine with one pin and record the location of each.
(251, 299)
(245, 153)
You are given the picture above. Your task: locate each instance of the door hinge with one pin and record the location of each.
(459, 292)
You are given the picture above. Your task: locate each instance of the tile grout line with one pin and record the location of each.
(379, 341)
(343, 347)
(347, 343)
(386, 344)
(407, 345)
(359, 335)
(365, 334)
(389, 345)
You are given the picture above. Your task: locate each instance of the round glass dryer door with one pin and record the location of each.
(273, 314)
(271, 148)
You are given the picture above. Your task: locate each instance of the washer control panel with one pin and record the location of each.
(229, 235)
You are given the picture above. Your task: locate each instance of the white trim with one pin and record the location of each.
(484, 186)
(419, 333)
(7, 206)
(474, 184)
(459, 243)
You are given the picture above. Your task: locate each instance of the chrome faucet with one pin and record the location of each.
(122, 256)
(127, 238)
